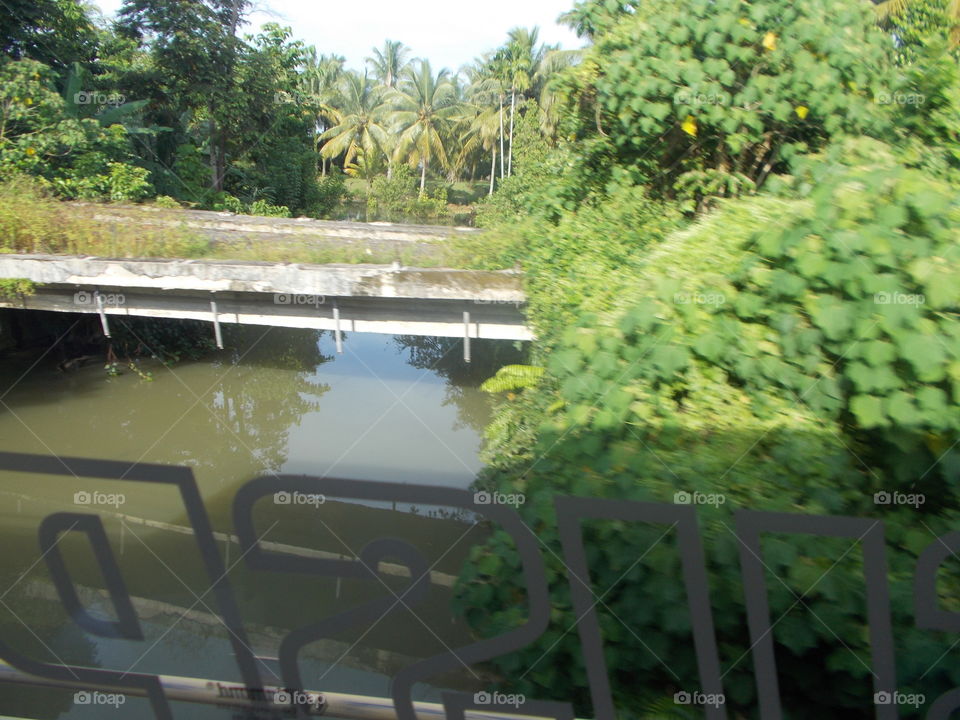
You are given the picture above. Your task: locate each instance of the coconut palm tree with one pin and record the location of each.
(388, 64)
(520, 59)
(526, 68)
(480, 122)
(424, 106)
(487, 87)
(320, 81)
(480, 131)
(551, 96)
(357, 122)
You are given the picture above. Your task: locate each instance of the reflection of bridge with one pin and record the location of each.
(342, 298)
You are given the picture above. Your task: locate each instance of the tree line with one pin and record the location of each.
(171, 99)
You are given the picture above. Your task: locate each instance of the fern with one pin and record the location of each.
(513, 377)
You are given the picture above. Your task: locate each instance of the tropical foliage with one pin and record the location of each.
(221, 120)
(753, 298)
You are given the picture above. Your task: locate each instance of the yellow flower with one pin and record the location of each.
(802, 111)
(31, 152)
(689, 126)
(29, 101)
(770, 41)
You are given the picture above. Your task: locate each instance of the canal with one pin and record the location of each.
(275, 401)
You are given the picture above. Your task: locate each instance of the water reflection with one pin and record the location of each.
(275, 401)
(444, 356)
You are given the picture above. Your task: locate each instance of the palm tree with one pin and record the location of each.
(481, 119)
(552, 97)
(486, 75)
(480, 132)
(424, 107)
(321, 80)
(527, 69)
(388, 64)
(520, 61)
(356, 124)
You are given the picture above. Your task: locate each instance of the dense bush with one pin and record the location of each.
(793, 354)
(388, 197)
(262, 207)
(225, 202)
(41, 136)
(398, 198)
(545, 180)
(329, 193)
(710, 97)
(128, 182)
(165, 201)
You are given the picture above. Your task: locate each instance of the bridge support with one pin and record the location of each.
(216, 324)
(338, 338)
(103, 314)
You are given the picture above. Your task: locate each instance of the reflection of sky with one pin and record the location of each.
(382, 420)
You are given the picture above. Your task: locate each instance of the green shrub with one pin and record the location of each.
(794, 355)
(263, 207)
(426, 206)
(707, 98)
(14, 288)
(225, 202)
(165, 201)
(389, 197)
(127, 182)
(330, 192)
(545, 180)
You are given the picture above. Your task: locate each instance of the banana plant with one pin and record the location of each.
(125, 113)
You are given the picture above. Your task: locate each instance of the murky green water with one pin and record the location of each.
(276, 401)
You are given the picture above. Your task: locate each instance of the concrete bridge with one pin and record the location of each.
(341, 298)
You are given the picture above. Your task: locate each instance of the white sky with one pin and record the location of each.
(450, 33)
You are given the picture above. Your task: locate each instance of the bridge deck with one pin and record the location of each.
(367, 298)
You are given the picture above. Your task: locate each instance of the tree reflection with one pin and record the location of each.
(260, 387)
(224, 413)
(444, 356)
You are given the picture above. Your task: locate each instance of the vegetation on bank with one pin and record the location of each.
(171, 101)
(752, 297)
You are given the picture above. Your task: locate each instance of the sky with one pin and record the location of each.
(450, 33)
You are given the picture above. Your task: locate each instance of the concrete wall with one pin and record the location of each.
(243, 276)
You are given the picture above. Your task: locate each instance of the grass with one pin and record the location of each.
(33, 221)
